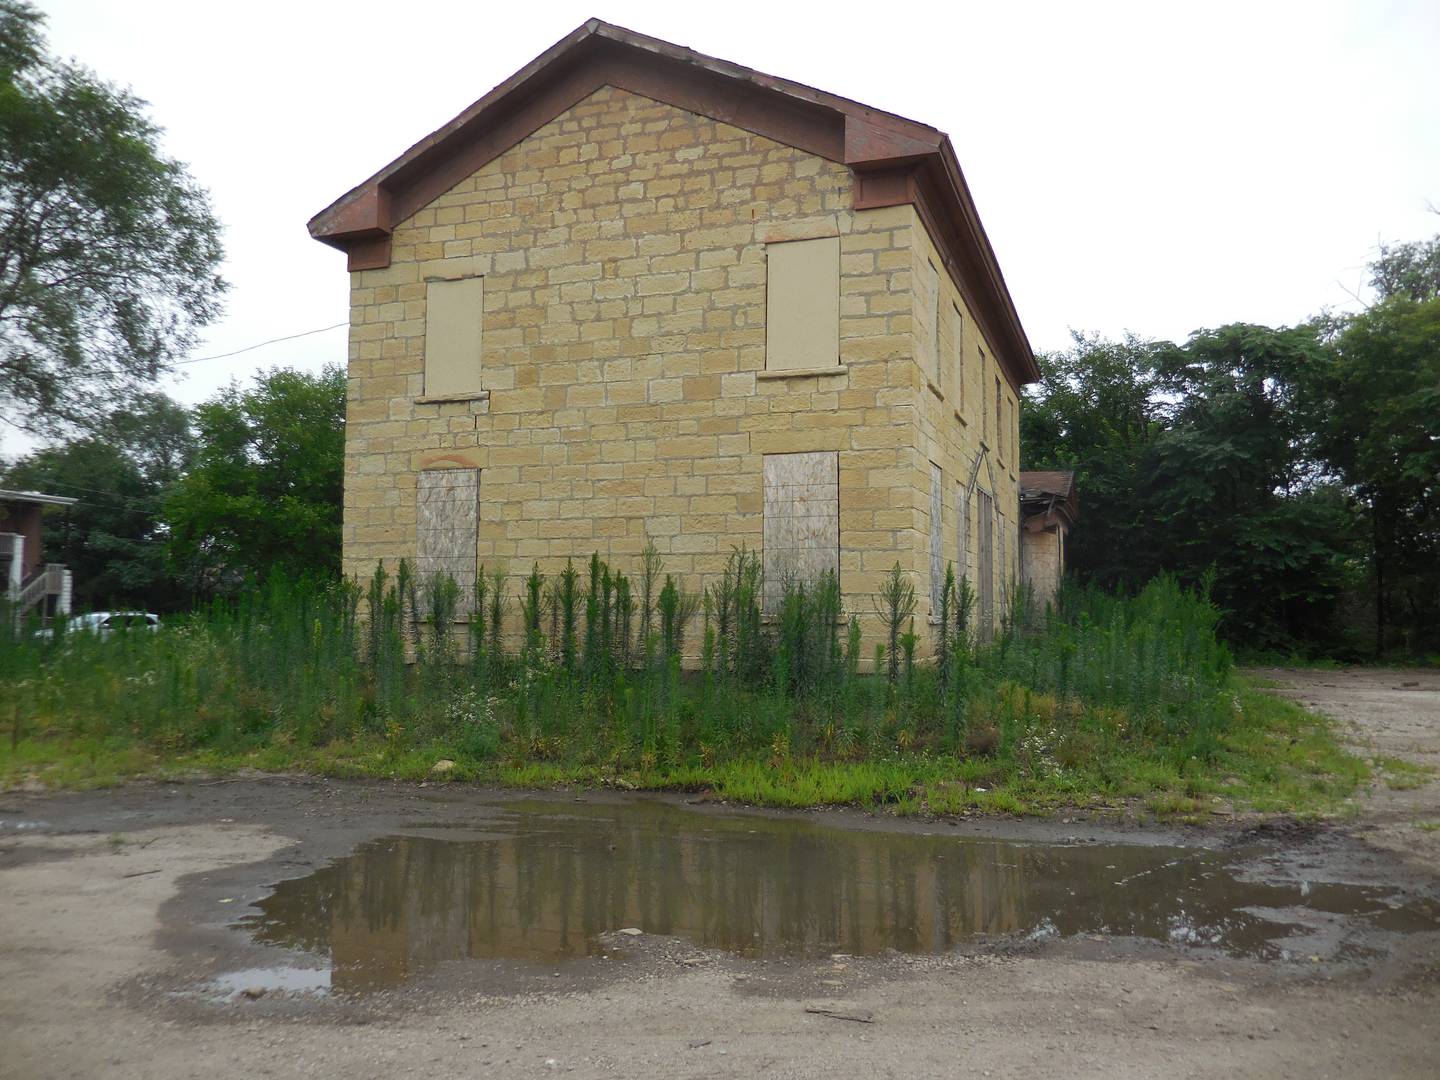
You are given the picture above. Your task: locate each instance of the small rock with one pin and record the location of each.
(441, 767)
(630, 931)
(253, 992)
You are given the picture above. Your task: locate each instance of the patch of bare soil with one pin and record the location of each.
(116, 913)
(1386, 713)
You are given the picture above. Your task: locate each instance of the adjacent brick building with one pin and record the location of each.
(636, 293)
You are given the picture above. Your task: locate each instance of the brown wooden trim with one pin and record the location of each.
(884, 187)
(369, 253)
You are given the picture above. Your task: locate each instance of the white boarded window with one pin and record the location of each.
(802, 520)
(447, 527)
(932, 323)
(937, 536)
(454, 314)
(802, 304)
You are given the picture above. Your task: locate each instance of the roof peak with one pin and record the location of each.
(895, 160)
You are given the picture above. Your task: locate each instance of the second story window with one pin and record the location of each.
(932, 323)
(802, 304)
(454, 318)
(980, 400)
(958, 338)
(999, 431)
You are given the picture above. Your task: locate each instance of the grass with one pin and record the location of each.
(1402, 775)
(1104, 703)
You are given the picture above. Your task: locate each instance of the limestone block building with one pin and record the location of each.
(636, 293)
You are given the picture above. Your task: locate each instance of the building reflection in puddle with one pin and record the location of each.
(560, 875)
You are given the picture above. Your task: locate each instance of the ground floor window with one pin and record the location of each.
(802, 520)
(447, 530)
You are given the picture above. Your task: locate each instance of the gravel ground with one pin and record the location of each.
(107, 950)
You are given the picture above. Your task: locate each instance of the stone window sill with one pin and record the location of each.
(802, 373)
(441, 399)
(961, 418)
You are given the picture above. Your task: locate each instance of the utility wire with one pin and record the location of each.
(83, 374)
(262, 344)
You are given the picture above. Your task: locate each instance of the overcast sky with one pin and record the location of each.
(1150, 167)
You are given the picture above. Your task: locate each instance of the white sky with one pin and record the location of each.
(1155, 167)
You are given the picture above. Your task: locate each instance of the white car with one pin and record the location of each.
(105, 623)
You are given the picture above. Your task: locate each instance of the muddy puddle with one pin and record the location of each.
(545, 884)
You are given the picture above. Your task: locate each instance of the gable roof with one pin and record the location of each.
(1046, 495)
(1039, 483)
(895, 160)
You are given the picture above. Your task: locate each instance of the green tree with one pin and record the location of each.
(1199, 459)
(1409, 270)
(1381, 402)
(1094, 411)
(108, 249)
(264, 492)
(114, 539)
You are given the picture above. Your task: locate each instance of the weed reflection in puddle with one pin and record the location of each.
(557, 877)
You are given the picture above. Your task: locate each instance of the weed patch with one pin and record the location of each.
(1093, 702)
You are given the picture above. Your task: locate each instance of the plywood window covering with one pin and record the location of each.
(802, 304)
(980, 402)
(1010, 429)
(1004, 578)
(985, 551)
(802, 520)
(957, 337)
(999, 431)
(932, 322)
(962, 526)
(447, 526)
(937, 537)
(454, 317)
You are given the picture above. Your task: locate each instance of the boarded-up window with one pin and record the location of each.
(962, 526)
(802, 304)
(957, 340)
(985, 551)
(937, 537)
(980, 404)
(932, 323)
(447, 521)
(454, 313)
(1004, 576)
(802, 520)
(999, 431)
(1010, 429)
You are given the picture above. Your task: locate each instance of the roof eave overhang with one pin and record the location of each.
(895, 160)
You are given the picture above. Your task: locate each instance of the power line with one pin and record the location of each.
(83, 374)
(262, 344)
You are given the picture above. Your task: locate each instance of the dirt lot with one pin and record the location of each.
(115, 913)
